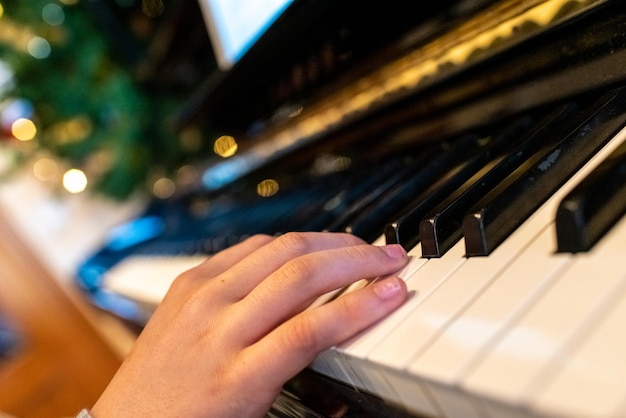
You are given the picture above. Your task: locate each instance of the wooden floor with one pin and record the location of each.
(62, 363)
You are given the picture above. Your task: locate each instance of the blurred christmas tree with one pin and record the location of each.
(78, 93)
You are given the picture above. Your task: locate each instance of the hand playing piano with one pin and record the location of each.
(233, 330)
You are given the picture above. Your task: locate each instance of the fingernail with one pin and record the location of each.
(387, 288)
(395, 251)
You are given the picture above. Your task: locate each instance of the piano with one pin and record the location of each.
(486, 137)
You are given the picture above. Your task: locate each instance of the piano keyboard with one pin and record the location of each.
(526, 331)
(516, 235)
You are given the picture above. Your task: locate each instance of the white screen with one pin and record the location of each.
(234, 25)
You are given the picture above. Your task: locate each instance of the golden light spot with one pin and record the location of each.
(225, 146)
(75, 180)
(267, 188)
(45, 169)
(1, 10)
(187, 174)
(23, 129)
(163, 188)
(72, 130)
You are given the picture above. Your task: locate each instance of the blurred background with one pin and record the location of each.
(90, 132)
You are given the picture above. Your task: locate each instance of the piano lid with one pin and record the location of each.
(476, 40)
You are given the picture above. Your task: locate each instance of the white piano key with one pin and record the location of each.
(429, 318)
(427, 276)
(512, 372)
(591, 383)
(589, 378)
(509, 295)
(146, 279)
(425, 282)
(333, 356)
(509, 368)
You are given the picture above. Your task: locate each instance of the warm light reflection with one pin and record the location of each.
(187, 174)
(45, 169)
(72, 130)
(267, 188)
(225, 146)
(23, 129)
(163, 188)
(1, 10)
(75, 180)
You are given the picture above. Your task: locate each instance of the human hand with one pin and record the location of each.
(230, 332)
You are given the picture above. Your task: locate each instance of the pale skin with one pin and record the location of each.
(233, 330)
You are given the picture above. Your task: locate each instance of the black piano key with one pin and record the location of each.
(369, 194)
(405, 229)
(370, 222)
(499, 213)
(441, 229)
(336, 203)
(594, 206)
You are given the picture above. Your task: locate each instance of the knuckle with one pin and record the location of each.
(259, 240)
(294, 242)
(350, 307)
(297, 270)
(184, 279)
(304, 335)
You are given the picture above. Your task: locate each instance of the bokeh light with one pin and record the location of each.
(75, 180)
(45, 169)
(225, 146)
(267, 188)
(164, 188)
(53, 14)
(39, 48)
(23, 129)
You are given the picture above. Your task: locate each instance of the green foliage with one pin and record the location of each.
(87, 102)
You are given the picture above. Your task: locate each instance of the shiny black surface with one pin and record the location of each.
(594, 206)
(499, 213)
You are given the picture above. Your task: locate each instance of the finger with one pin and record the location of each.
(217, 264)
(300, 281)
(293, 345)
(225, 259)
(245, 275)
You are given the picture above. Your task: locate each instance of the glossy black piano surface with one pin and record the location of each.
(439, 148)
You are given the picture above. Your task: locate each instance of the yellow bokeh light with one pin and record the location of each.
(23, 129)
(75, 180)
(267, 188)
(72, 130)
(225, 146)
(45, 169)
(164, 188)
(1, 10)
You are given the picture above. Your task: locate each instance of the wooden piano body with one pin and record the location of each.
(508, 318)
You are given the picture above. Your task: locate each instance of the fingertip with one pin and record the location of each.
(389, 288)
(395, 251)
